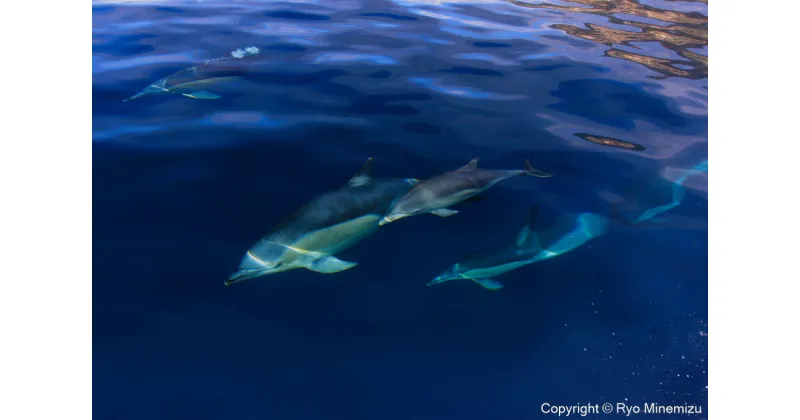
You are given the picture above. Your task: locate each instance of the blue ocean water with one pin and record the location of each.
(608, 96)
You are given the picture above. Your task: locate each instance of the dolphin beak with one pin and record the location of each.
(138, 95)
(243, 275)
(390, 218)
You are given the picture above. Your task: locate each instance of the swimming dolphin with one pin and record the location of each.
(436, 194)
(482, 267)
(328, 224)
(678, 192)
(192, 81)
(628, 212)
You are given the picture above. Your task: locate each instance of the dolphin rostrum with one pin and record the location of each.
(436, 194)
(193, 81)
(328, 224)
(482, 267)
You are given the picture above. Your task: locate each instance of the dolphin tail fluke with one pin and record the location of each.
(530, 170)
(330, 264)
(528, 237)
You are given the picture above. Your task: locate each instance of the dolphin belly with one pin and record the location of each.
(194, 85)
(456, 197)
(333, 239)
(489, 272)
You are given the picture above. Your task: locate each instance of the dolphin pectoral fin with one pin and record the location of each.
(444, 212)
(329, 265)
(489, 283)
(202, 95)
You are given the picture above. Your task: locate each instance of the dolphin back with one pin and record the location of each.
(373, 198)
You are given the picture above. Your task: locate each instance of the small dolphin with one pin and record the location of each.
(436, 194)
(192, 81)
(328, 224)
(482, 267)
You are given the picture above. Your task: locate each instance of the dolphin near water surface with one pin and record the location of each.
(327, 225)
(483, 267)
(436, 194)
(194, 81)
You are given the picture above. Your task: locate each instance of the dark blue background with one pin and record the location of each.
(183, 187)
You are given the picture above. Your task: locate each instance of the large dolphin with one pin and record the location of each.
(436, 194)
(328, 224)
(482, 267)
(193, 81)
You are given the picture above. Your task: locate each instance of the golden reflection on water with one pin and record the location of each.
(611, 142)
(683, 32)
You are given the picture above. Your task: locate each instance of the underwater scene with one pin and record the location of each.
(408, 209)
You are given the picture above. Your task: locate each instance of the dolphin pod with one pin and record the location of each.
(572, 231)
(336, 220)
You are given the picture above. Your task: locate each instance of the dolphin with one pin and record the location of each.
(678, 192)
(482, 267)
(327, 225)
(193, 81)
(628, 212)
(436, 194)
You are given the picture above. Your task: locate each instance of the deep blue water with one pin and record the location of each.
(183, 187)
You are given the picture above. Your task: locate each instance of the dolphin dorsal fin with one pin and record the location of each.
(471, 166)
(364, 175)
(527, 236)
